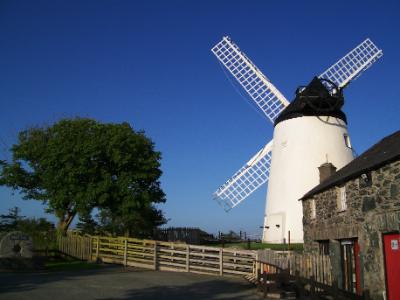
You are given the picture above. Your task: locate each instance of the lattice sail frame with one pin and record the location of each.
(256, 172)
(255, 83)
(353, 64)
(245, 181)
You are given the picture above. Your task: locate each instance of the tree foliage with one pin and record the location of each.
(14, 221)
(116, 222)
(78, 164)
(9, 221)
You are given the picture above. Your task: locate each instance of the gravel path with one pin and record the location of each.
(120, 283)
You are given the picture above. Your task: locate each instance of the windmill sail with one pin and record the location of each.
(245, 181)
(256, 84)
(353, 64)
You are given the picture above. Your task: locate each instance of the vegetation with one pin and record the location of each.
(9, 221)
(14, 221)
(77, 165)
(257, 246)
(140, 223)
(70, 265)
(39, 229)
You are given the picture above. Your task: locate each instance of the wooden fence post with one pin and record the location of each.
(67, 240)
(221, 262)
(82, 246)
(76, 247)
(256, 271)
(90, 248)
(312, 288)
(155, 255)
(70, 245)
(187, 258)
(97, 248)
(125, 252)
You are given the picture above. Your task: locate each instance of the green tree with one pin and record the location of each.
(34, 225)
(10, 221)
(120, 220)
(87, 225)
(78, 164)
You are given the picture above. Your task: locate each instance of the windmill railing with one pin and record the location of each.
(310, 274)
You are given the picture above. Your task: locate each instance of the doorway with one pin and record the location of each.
(350, 261)
(392, 265)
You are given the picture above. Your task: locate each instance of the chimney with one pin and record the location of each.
(325, 171)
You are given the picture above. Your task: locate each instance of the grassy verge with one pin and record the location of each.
(257, 246)
(70, 265)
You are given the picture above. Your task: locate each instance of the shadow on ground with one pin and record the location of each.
(120, 283)
(21, 281)
(210, 290)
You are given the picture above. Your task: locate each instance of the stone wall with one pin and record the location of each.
(373, 208)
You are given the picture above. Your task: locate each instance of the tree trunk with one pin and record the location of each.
(65, 222)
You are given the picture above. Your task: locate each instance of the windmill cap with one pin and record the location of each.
(314, 100)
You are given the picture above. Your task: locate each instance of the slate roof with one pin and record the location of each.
(382, 153)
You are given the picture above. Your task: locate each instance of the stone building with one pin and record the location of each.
(353, 216)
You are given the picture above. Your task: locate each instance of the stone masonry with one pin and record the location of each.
(373, 209)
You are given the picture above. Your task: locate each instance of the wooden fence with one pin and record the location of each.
(311, 273)
(76, 246)
(158, 255)
(303, 265)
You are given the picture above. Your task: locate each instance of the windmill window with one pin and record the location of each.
(347, 140)
(341, 198)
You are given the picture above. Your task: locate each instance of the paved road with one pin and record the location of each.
(120, 283)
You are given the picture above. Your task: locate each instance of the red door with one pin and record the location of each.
(357, 261)
(392, 265)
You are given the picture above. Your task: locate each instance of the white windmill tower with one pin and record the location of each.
(307, 132)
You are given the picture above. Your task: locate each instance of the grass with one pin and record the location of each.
(257, 246)
(70, 265)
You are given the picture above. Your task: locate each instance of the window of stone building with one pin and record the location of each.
(365, 180)
(313, 209)
(323, 247)
(341, 198)
(347, 140)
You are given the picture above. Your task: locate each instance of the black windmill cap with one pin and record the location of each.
(316, 87)
(314, 100)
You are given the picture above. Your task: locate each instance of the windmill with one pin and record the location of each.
(308, 132)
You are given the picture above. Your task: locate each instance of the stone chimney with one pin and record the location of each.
(326, 170)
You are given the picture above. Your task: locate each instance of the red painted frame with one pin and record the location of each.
(392, 274)
(358, 270)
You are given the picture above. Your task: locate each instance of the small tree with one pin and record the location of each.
(10, 221)
(130, 222)
(78, 164)
(87, 225)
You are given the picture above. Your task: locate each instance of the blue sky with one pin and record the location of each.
(149, 63)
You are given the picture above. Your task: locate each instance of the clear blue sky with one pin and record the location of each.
(149, 63)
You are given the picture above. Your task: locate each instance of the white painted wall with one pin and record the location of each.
(301, 145)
